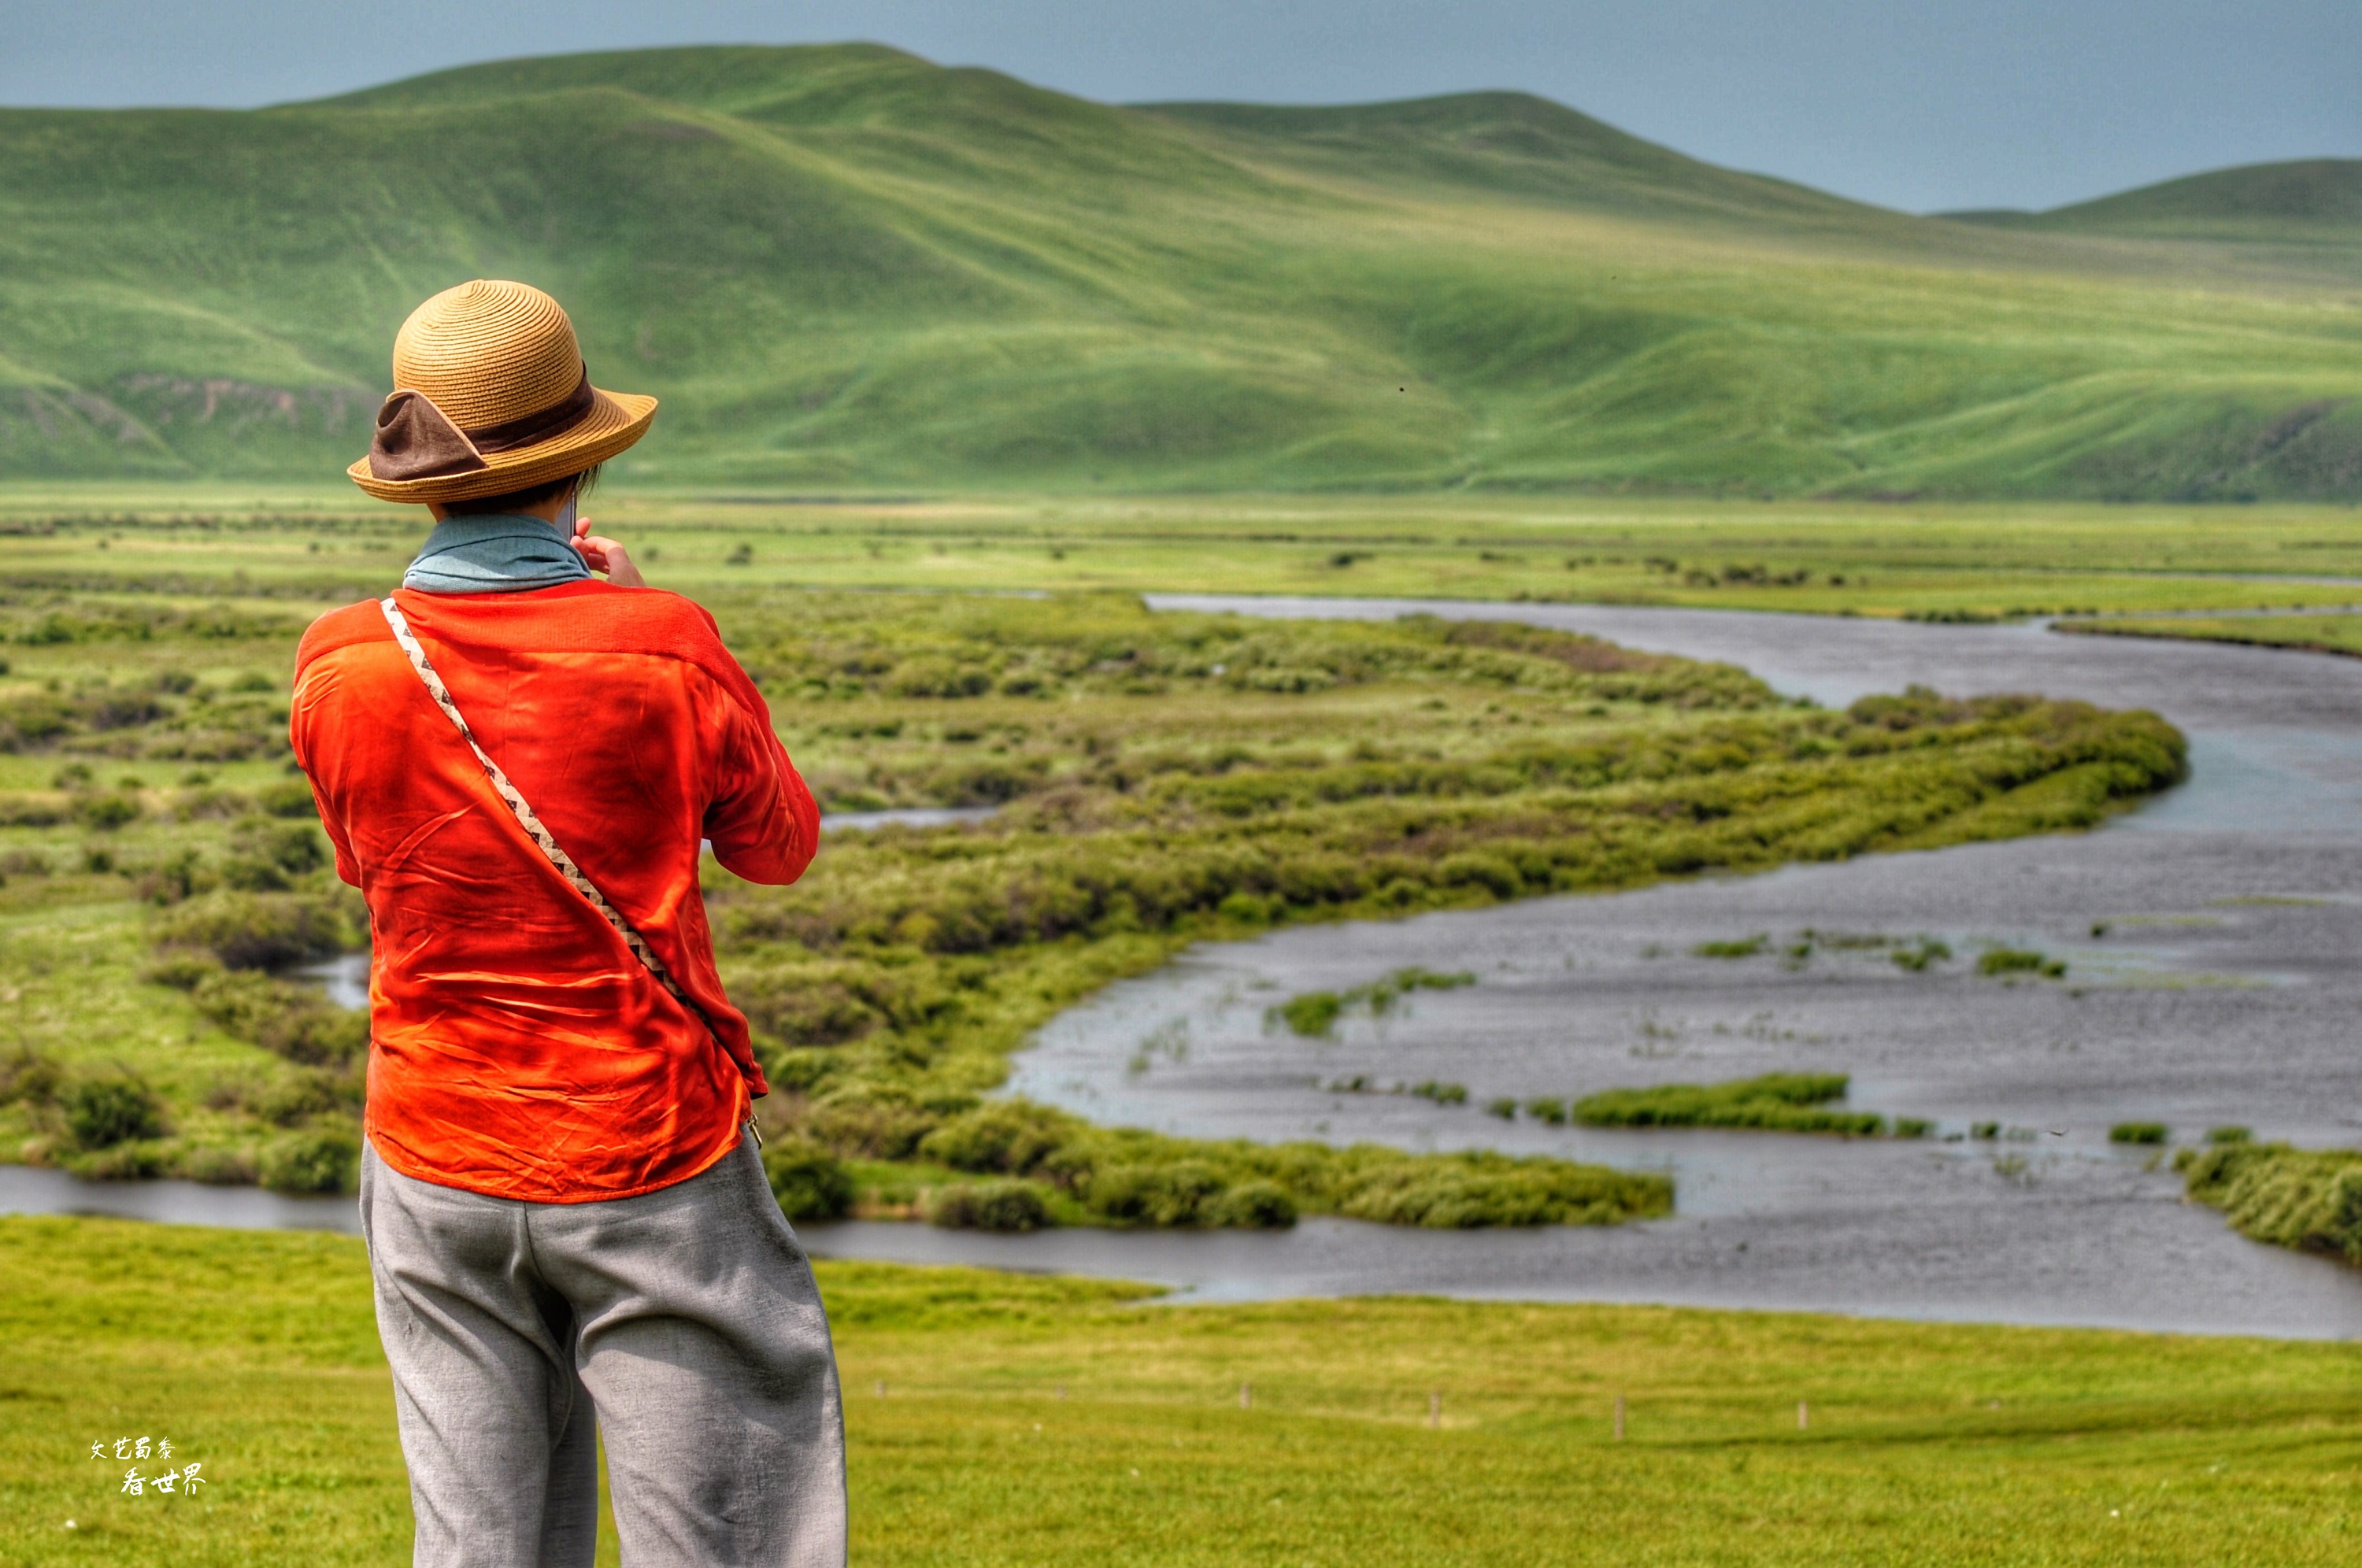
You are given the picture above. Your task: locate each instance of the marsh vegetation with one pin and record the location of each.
(2006, 961)
(2308, 1198)
(1160, 779)
(2322, 633)
(1776, 1102)
(1314, 1014)
(1914, 954)
(211, 544)
(1175, 776)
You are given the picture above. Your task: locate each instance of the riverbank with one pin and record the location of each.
(2293, 631)
(1014, 1418)
(2216, 990)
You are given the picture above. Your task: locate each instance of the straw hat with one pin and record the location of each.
(490, 395)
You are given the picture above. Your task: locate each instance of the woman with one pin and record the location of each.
(567, 1220)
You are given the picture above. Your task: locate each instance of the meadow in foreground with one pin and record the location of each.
(1160, 779)
(1006, 1419)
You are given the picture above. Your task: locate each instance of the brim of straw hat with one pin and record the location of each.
(616, 420)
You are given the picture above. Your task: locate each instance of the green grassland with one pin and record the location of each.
(939, 331)
(1005, 1418)
(325, 542)
(1162, 779)
(846, 270)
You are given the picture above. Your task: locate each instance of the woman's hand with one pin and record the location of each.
(608, 556)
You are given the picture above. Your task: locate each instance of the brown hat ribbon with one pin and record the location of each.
(416, 440)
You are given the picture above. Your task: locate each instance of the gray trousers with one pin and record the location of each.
(682, 1325)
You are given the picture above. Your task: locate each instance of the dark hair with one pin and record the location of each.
(518, 499)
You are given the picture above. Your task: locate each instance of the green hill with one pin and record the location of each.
(1511, 144)
(2258, 201)
(846, 268)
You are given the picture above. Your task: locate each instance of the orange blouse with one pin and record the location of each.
(517, 1048)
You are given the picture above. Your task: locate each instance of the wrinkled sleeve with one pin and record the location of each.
(761, 818)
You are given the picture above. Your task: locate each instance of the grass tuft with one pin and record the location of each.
(1314, 1014)
(1746, 947)
(2292, 1197)
(1784, 1102)
(2019, 960)
(1919, 956)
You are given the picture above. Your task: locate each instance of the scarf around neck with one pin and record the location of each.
(494, 554)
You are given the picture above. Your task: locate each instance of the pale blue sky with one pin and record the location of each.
(1917, 103)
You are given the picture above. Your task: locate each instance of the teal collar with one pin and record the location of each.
(494, 554)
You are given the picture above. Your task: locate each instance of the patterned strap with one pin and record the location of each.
(531, 821)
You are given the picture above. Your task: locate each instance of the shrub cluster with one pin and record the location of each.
(2292, 1197)
(104, 1111)
(1781, 1102)
(990, 1205)
(817, 646)
(1032, 881)
(313, 1165)
(35, 616)
(285, 1019)
(258, 931)
(1127, 1177)
(222, 949)
(168, 716)
(104, 1125)
(809, 1182)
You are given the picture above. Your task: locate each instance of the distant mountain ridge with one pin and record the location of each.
(845, 267)
(2323, 192)
(1511, 143)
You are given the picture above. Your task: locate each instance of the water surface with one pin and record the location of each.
(2221, 992)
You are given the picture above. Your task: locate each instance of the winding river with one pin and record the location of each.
(2211, 939)
(2222, 990)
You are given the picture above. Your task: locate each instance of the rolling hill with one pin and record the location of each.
(847, 269)
(2319, 197)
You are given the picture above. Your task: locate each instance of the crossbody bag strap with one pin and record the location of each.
(531, 820)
